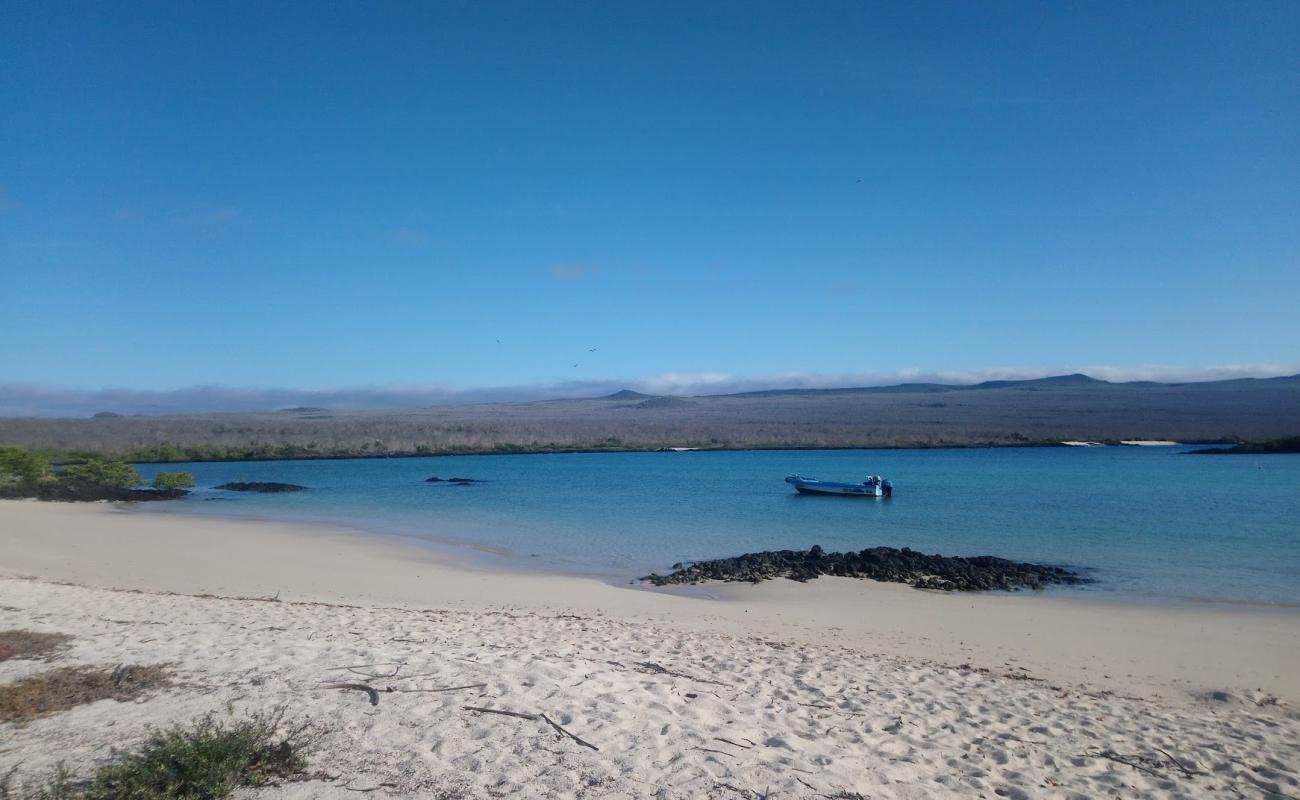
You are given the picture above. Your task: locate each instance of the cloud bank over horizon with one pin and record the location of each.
(33, 400)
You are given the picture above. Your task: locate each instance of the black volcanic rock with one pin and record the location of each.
(1289, 444)
(458, 481)
(949, 573)
(263, 487)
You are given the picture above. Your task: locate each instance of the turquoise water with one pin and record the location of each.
(1144, 521)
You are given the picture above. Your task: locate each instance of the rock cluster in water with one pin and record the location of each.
(949, 573)
(266, 487)
(458, 481)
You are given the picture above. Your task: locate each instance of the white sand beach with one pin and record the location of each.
(837, 688)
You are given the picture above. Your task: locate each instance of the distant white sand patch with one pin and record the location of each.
(1084, 444)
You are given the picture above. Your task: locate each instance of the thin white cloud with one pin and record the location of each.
(18, 399)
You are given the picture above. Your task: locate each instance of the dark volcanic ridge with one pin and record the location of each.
(948, 573)
(998, 413)
(1284, 445)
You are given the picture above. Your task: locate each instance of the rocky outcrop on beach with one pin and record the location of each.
(77, 492)
(948, 573)
(264, 487)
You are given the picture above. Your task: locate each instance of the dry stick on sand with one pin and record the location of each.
(1187, 771)
(519, 714)
(533, 717)
(651, 668)
(360, 687)
(375, 675)
(442, 689)
(561, 730)
(1132, 761)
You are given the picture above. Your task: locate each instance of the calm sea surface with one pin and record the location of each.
(1144, 521)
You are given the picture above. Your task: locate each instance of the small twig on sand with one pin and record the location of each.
(1113, 756)
(651, 668)
(1187, 771)
(561, 730)
(376, 675)
(481, 710)
(360, 687)
(372, 788)
(443, 689)
(733, 744)
(711, 750)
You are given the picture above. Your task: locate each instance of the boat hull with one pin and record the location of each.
(809, 486)
(862, 492)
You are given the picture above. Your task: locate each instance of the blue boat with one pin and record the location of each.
(873, 486)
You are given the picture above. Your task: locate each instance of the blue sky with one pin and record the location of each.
(477, 194)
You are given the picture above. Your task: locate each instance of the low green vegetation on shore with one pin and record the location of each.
(206, 760)
(30, 473)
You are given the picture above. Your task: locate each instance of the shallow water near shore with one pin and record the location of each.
(1146, 522)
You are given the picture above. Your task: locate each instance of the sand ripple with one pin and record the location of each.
(674, 713)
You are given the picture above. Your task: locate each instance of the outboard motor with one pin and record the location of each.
(888, 486)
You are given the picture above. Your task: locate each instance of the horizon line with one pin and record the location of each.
(38, 400)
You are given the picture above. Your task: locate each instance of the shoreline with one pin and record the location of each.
(60, 459)
(469, 554)
(1168, 650)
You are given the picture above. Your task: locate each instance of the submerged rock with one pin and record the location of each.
(265, 487)
(948, 573)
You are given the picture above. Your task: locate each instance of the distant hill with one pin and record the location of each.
(1042, 411)
(908, 388)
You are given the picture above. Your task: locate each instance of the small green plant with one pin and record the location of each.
(115, 474)
(21, 465)
(173, 481)
(206, 760)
